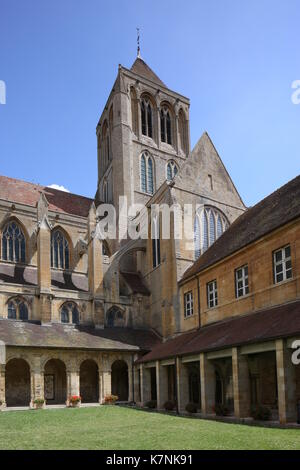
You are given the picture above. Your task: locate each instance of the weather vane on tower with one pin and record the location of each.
(138, 43)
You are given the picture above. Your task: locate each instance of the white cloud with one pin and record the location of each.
(60, 188)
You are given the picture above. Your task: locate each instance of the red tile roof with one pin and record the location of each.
(277, 322)
(22, 192)
(277, 209)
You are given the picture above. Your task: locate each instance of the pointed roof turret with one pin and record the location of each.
(141, 68)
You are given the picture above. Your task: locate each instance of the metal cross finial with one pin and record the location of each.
(138, 43)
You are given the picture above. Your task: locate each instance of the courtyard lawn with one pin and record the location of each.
(113, 427)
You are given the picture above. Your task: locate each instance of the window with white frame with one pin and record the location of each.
(209, 224)
(172, 170)
(241, 281)
(146, 173)
(188, 304)
(282, 264)
(212, 294)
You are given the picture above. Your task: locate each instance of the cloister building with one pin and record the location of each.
(209, 318)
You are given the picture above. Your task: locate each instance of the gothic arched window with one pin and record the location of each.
(13, 243)
(114, 317)
(165, 125)
(209, 224)
(172, 170)
(182, 131)
(60, 254)
(146, 173)
(105, 191)
(17, 309)
(146, 116)
(69, 313)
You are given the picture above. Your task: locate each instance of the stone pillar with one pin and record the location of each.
(106, 382)
(137, 378)
(37, 386)
(286, 383)
(73, 380)
(2, 386)
(182, 384)
(208, 384)
(100, 386)
(241, 384)
(130, 382)
(161, 385)
(145, 385)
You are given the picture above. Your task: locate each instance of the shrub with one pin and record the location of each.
(110, 399)
(151, 404)
(169, 405)
(221, 410)
(191, 408)
(261, 413)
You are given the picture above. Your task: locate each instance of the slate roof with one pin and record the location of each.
(135, 283)
(22, 192)
(27, 275)
(25, 334)
(275, 210)
(141, 68)
(269, 324)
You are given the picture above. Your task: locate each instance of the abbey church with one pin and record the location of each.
(208, 319)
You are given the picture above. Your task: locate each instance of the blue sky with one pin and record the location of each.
(235, 60)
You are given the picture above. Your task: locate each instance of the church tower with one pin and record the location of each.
(143, 136)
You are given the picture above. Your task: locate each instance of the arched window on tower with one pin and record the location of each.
(146, 116)
(105, 191)
(105, 144)
(17, 309)
(69, 313)
(182, 132)
(172, 170)
(165, 125)
(146, 173)
(13, 243)
(209, 224)
(134, 111)
(111, 124)
(60, 253)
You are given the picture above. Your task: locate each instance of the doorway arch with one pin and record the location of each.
(89, 382)
(55, 382)
(119, 380)
(17, 383)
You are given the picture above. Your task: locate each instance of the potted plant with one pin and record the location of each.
(169, 405)
(151, 404)
(38, 403)
(261, 413)
(191, 408)
(74, 401)
(110, 399)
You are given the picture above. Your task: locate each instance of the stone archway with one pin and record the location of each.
(17, 383)
(89, 382)
(119, 380)
(55, 380)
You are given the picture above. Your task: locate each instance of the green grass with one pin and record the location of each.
(112, 427)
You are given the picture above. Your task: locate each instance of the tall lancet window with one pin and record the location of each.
(209, 224)
(165, 125)
(146, 173)
(155, 234)
(13, 243)
(146, 115)
(60, 254)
